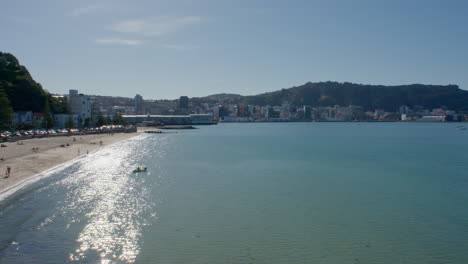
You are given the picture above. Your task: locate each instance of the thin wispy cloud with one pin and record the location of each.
(84, 10)
(118, 41)
(179, 47)
(155, 26)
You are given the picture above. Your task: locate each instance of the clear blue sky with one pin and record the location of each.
(168, 48)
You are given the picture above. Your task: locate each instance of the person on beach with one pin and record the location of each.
(8, 171)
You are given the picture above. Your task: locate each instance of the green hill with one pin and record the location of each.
(23, 93)
(370, 97)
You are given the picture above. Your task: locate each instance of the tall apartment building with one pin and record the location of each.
(183, 102)
(80, 105)
(138, 104)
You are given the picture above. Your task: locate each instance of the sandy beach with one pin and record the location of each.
(48, 152)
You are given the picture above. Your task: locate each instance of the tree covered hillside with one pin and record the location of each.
(23, 93)
(370, 97)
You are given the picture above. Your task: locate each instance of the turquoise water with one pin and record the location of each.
(253, 193)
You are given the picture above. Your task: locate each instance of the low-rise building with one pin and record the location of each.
(438, 118)
(37, 119)
(195, 119)
(22, 117)
(61, 120)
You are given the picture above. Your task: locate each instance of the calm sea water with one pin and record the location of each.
(253, 193)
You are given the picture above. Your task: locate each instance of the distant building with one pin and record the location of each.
(79, 104)
(242, 110)
(307, 112)
(215, 111)
(269, 112)
(37, 119)
(378, 113)
(437, 118)
(195, 119)
(138, 104)
(184, 102)
(202, 119)
(22, 117)
(228, 119)
(300, 114)
(251, 110)
(343, 113)
(438, 112)
(284, 110)
(404, 117)
(61, 120)
(404, 110)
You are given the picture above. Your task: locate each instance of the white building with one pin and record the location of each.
(80, 105)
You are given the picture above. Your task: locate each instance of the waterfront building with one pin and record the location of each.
(183, 102)
(300, 114)
(437, 118)
(232, 110)
(138, 100)
(269, 112)
(228, 119)
(307, 112)
(251, 109)
(438, 112)
(404, 110)
(194, 119)
(285, 110)
(323, 113)
(242, 110)
(378, 113)
(344, 114)
(215, 111)
(201, 119)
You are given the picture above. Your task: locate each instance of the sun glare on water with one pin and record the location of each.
(111, 200)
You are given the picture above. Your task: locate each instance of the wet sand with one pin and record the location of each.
(26, 162)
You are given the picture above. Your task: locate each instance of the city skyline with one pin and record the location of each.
(165, 49)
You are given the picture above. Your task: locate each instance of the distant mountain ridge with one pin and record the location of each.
(25, 94)
(370, 97)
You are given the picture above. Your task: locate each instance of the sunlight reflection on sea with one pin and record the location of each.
(113, 201)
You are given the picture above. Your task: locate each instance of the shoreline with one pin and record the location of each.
(28, 165)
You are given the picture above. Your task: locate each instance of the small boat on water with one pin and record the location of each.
(138, 170)
(461, 128)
